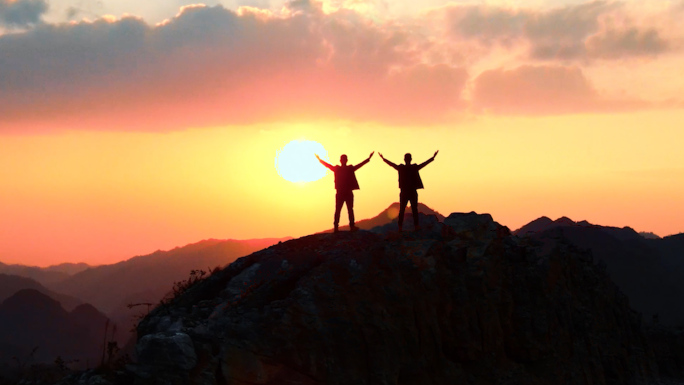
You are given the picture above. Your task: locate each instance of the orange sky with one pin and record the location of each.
(121, 135)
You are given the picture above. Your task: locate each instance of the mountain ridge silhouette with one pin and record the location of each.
(44, 275)
(647, 269)
(34, 325)
(10, 284)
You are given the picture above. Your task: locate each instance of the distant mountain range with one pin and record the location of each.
(44, 275)
(109, 288)
(10, 284)
(649, 270)
(35, 328)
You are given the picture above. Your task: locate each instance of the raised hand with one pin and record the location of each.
(371, 155)
(317, 157)
(433, 157)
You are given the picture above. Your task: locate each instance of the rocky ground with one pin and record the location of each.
(461, 301)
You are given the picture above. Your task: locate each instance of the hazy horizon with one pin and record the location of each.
(145, 253)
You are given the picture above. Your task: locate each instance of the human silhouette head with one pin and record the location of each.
(343, 159)
(407, 158)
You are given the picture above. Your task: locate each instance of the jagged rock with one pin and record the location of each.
(475, 226)
(460, 302)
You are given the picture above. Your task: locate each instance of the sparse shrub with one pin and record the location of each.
(140, 316)
(180, 287)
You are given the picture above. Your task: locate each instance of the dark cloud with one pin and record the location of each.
(573, 32)
(486, 23)
(21, 13)
(213, 66)
(560, 33)
(614, 44)
(541, 90)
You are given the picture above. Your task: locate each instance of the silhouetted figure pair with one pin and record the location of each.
(409, 184)
(345, 184)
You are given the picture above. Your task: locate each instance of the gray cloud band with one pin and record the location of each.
(575, 32)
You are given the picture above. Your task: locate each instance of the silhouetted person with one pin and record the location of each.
(409, 184)
(345, 184)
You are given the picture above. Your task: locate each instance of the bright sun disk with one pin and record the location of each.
(296, 161)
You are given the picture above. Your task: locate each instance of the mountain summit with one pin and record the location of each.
(390, 215)
(461, 301)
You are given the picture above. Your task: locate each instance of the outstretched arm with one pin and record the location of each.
(394, 166)
(428, 161)
(326, 164)
(358, 166)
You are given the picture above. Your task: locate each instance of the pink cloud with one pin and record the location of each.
(213, 66)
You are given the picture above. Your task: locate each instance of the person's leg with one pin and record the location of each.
(350, 210)
(402, 207)
(339, 200)
(414, 209)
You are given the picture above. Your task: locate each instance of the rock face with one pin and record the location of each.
(461, 301)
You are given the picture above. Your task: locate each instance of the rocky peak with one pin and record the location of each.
(565, 221)
(459, 302)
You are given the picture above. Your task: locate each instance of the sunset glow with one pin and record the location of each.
(130, 127)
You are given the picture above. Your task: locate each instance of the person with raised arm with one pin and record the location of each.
(345, 184)
(409, 184)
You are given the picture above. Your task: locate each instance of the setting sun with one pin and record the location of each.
(296, 161)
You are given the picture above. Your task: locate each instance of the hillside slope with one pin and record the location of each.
(148, 278)
(459, 302)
